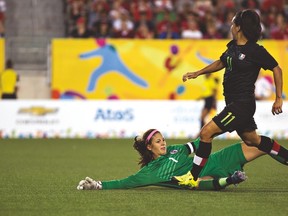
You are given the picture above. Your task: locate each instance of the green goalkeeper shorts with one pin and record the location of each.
(224, 162)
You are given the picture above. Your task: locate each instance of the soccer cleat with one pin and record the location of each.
(187, 180)
(238, 177)
(89, 184)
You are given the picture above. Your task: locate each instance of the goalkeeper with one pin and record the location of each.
(160, 163)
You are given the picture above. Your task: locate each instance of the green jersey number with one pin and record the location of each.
(229, 63)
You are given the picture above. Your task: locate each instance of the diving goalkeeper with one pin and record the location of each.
(159, 163)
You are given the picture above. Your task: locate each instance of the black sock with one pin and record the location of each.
(282, 152)
(200, 158)
(217, 185)
(272, 148)
(229, 180)
(265, 144)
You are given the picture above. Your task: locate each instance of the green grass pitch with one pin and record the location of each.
(39, 177)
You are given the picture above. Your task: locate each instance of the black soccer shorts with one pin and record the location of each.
(237, 115)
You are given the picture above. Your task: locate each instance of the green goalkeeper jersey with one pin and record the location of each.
(175, 162)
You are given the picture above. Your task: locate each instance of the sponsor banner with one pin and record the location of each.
(117, 119)
(137, 69)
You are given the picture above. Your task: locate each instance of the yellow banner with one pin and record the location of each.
(2, 57)
(141, 69)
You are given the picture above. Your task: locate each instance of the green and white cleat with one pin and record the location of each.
(238, 177)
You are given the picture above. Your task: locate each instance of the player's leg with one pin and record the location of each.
(224, 121)
(226, 167)
(201, 156)
(227, 120)
(267, 145)
(230, 118)
(207, 133)
(274, 149)
(221, 183)
(251, 152)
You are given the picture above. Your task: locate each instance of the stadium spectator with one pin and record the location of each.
(185, 19)
(123, 27)
(143, 32)
(76, 9)
(212, 32)
(2, 17)
(162, 5)
(211, 18)
(102, 30)
(98, 13)
(81, 30)
(251, 4)
(9, 79)
(167, 27)
(102, 26)
(226, 25)
(2, 6)
(116, 10)
(278, 5)
(143, 20)
(270, 17)
(159, 163)
(141, 7)
(155, 12)
(183, 7)
(2, 27)
(192, 31)
(280, 30)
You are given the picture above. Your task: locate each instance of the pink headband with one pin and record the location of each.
(150, 135)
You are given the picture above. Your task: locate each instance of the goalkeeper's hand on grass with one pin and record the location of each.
(89, 184)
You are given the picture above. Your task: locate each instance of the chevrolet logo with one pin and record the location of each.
(37, 110)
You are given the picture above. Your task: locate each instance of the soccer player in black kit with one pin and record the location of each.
(242, 61)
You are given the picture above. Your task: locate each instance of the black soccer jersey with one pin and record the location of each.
(242, 66)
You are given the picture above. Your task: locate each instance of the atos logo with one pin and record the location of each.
(114, 115)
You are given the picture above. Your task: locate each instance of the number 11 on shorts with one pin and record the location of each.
(228, 118)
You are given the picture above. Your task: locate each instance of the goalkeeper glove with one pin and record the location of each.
(89, 184)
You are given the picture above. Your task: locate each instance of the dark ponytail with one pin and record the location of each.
(250, 25)
(140, 145)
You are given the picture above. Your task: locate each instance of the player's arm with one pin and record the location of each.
(143, 177)
(213, 67)
(139, 179)
(278, 80)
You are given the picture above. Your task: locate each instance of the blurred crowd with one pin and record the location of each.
(2, 17)
(169, 19)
